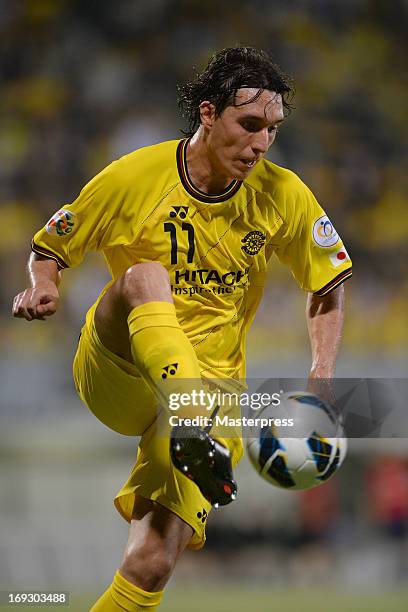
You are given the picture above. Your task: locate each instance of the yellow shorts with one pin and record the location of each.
(114, 391)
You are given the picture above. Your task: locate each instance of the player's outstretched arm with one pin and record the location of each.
(40, 300)
(325, 316)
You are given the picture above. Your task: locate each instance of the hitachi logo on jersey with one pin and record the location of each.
(205, 277)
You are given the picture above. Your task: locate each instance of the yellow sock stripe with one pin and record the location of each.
(125, 593)
(152, 314)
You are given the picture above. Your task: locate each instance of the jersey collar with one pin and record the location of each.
(191, 189)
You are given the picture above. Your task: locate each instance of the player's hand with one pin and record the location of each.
(37, 302)
(322, 387)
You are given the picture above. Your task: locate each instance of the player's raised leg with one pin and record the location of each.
(157, 537)
(136, 319)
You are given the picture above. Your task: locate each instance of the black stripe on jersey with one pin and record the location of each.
(191, 189)
(46, 253)
(335, 282)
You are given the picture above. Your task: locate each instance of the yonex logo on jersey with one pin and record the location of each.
(324, 233)
(253, 242)
(169, 370)
(62, 223)
(202, 515)
(179, 211)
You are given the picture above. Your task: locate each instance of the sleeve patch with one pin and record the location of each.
(324, 233)
(62, 223)
(339, 257)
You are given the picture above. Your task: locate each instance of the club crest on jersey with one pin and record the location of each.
(62, 223)
(324, 233)
(253, 242)
(179, 211)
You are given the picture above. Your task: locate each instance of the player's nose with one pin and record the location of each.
(260, 143)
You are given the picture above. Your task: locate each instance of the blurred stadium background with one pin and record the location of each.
(85, 82)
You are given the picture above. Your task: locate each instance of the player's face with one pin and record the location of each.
(243, 133)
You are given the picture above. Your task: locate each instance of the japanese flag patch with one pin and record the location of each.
(339, 257)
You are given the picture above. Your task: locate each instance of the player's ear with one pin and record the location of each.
(207, 113)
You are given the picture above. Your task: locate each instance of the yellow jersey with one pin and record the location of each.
(144, 207)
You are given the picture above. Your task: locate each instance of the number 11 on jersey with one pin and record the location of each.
(172, 229)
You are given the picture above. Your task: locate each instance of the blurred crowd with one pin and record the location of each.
(86, 82)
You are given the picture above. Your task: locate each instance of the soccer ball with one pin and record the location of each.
(311, 455)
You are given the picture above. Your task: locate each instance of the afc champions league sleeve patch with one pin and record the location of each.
(324, 233)
(63, 223)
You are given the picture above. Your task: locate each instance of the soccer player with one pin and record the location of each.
(187, 228)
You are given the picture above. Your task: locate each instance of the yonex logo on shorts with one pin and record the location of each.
(202, 515)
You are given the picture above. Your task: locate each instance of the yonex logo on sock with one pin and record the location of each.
(202, 515)
(169, 370)
(179, 211)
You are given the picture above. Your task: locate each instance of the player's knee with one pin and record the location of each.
(144, 272)
(148, 569)
(148, 281)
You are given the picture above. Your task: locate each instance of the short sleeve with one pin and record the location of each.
(309, 243)
(86, 224)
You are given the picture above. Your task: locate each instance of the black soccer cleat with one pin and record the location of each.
(206, 462)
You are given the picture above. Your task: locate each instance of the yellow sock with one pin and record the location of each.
(123, 595)
(162, 352)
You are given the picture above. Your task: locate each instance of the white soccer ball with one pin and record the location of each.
(304, 455)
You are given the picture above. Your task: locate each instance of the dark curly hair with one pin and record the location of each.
(226, 72)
